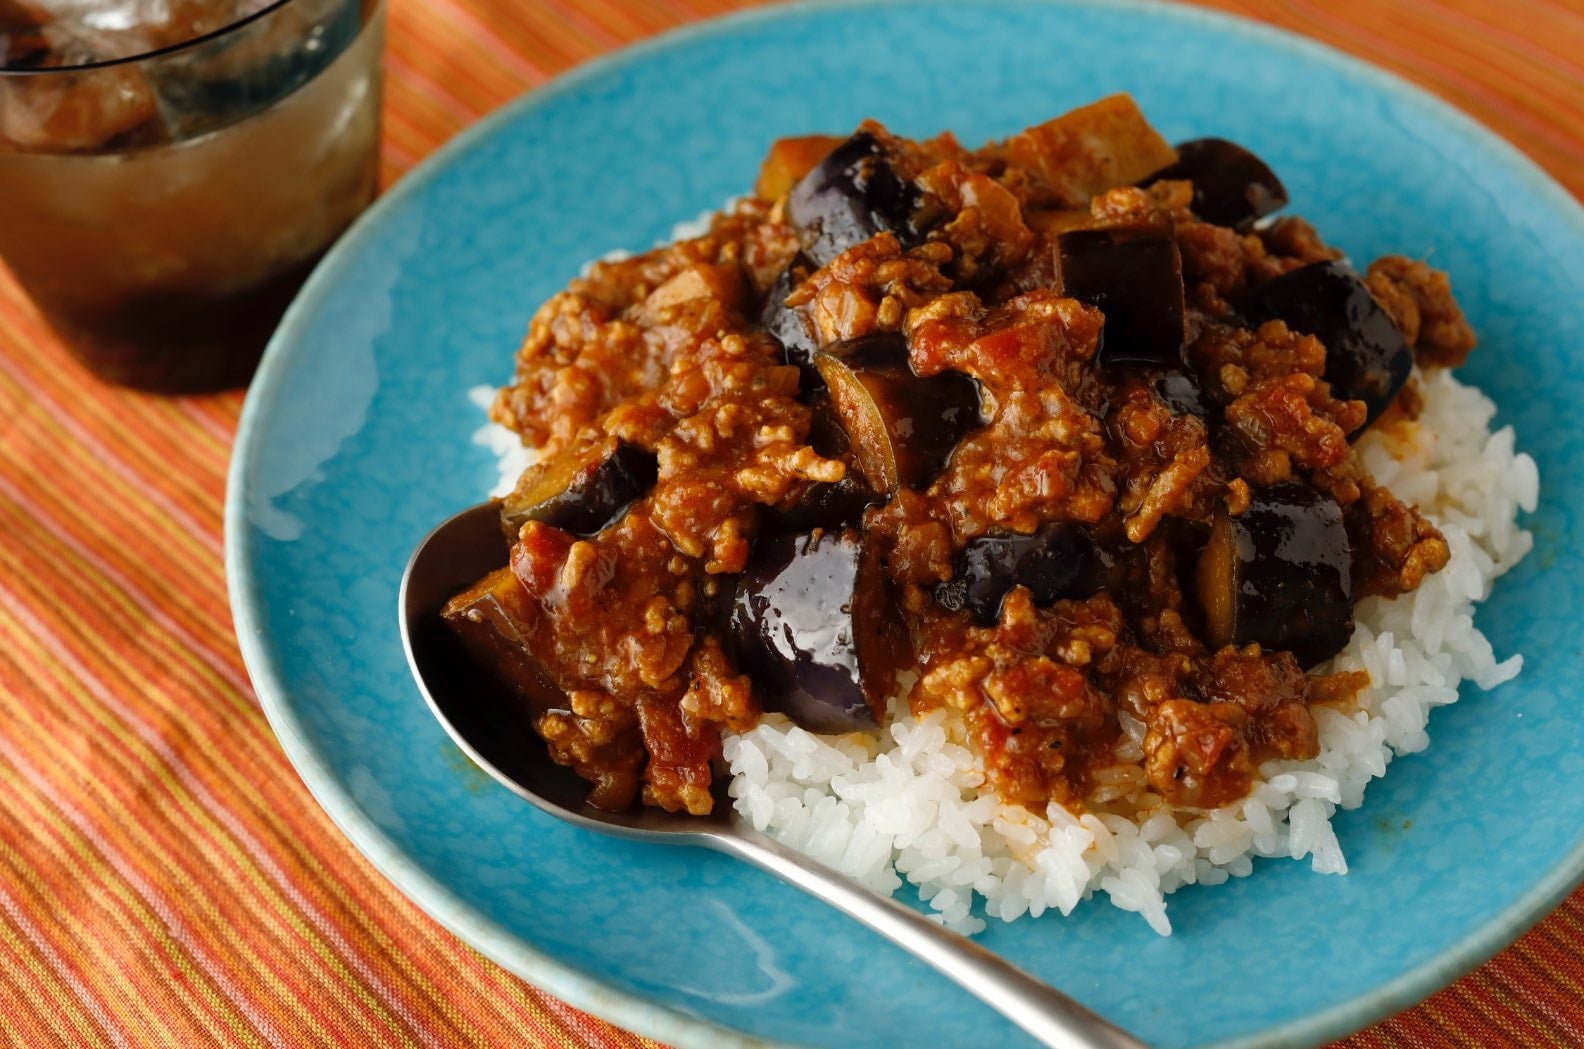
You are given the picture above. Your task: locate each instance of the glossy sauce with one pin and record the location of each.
(738, 580)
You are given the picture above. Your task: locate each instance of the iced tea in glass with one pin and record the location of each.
(170, 170)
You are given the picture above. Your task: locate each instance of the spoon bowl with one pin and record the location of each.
(494, 730)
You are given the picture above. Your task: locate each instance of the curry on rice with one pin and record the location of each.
(1057, 429)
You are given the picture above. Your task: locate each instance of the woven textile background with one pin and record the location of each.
(165, 878)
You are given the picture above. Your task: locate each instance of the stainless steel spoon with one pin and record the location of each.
(489, 728)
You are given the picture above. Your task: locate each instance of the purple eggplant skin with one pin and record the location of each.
(831, 505)
(1367, 358)
(790, 326)
(1059, 560)
(1232, 186)
(850, 196)
(584, 492)
(497, 623)
(1181, 393)
(902, 428)
(1134, 277)
(1280, 575)
(816, 628)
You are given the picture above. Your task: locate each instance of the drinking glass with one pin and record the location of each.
(171, 170)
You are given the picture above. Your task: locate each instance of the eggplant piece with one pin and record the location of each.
(791, 327)
(817, 629)
(499, 632)
(581, 492)
(1231, 186)
(1367, 358)
(1181, 392)
(853, 194)
(495, 621)
(1279, 574)
(831, 505)
(1060, 560)
(1134, 277)
(902, 427)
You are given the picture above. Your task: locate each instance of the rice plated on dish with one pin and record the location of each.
(1020, 522)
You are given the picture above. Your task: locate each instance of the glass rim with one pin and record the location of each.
(144, 56)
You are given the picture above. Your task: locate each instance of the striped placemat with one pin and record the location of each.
(165, 879)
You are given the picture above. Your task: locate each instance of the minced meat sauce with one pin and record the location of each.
(1055, 424)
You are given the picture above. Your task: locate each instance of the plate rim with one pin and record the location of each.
(588, 993)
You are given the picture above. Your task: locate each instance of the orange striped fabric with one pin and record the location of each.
(165, 879)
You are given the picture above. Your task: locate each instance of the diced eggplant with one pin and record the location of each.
(1091, 149)
(484, 642)
(817, 630)
(1181, 392)
(902, 427)
(1058, 561)
(1367, 358)
(1134, 277)
(494, 619)
(581, 492)
(853, 194)
(791, 326)
(23, 44)
(832, 505)
(1279, 574)
(1232, 187)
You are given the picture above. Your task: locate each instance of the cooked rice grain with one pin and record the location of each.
(909, 804)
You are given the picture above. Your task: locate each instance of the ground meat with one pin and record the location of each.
(1279, 412)
(666, 352)
(1293, 242)
(1042, 456)
(1022, 686)
(1164, 458)
(1394, 547)
(870, 288)
(1419, 300)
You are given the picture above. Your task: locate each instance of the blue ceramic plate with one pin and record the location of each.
(355, 441)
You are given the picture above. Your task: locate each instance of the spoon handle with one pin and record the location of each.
(1044, 1012)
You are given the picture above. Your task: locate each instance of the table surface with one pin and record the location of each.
(165, 878)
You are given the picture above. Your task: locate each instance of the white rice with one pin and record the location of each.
(511, 457)
(910, 804)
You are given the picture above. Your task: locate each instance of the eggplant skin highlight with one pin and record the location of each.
(850, 196)
(1058, 561)
(815, 625)
(1231, 186)
(1279, 575)
(902, 428)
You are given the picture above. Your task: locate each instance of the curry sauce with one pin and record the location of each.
(1058, 428)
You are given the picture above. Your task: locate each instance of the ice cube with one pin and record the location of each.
(22, 44)
(83, 31)
(177, 95)
(76, 110)
(22, 47)
(221, 81)
(79, 32)
(73, 112)
(106, 16)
